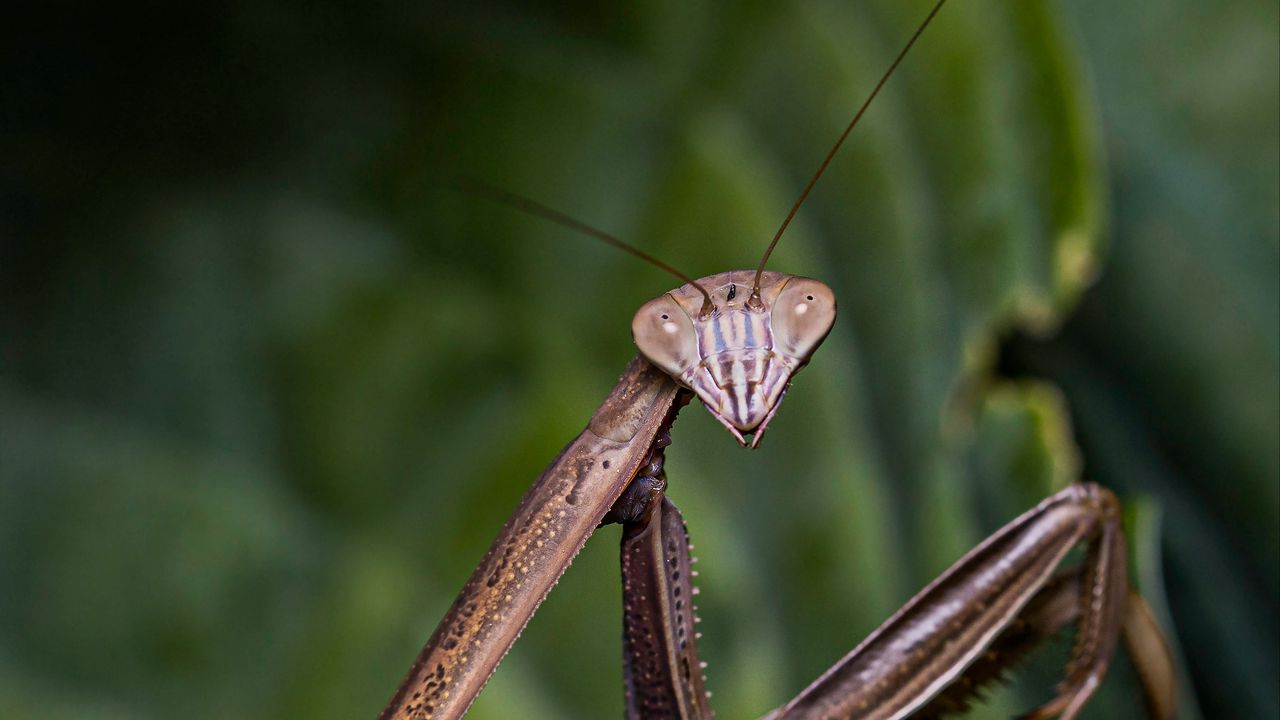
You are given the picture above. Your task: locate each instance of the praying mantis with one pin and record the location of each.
(735, 340)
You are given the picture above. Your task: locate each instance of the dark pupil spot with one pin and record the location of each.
(809, 297)
(664, 317)
(733, 291)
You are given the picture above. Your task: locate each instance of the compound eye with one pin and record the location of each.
(802, 316)
(665, 335)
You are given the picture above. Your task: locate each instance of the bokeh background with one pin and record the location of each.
(267, 390)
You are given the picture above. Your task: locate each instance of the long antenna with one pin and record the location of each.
(755, 287)
(537, 209)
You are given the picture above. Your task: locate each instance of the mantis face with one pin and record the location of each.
(739, 357)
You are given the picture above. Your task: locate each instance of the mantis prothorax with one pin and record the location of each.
(735, 340)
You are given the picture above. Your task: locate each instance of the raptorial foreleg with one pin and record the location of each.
(992, 606)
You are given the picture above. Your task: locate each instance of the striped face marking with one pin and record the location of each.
(739, 361)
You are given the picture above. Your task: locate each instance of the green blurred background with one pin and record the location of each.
(267, 391)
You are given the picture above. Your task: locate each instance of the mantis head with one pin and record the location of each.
(735, 345)
(734, 348)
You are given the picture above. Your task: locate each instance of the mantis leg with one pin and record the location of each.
(1149, 652)
(662, 674)
(991, 606)
(960, 633)
(1054, 607)
(536, 545)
